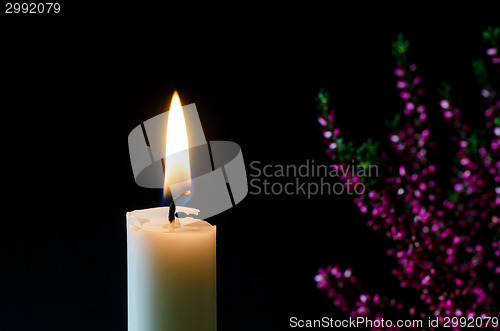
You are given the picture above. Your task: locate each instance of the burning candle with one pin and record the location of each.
(171, 261)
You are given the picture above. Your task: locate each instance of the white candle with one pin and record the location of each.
(171, 274)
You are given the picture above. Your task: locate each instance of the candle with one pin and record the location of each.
(171, 274)
(171, 261)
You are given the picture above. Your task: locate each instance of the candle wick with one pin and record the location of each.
(171, 212)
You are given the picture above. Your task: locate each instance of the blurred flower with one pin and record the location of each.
(446, 231)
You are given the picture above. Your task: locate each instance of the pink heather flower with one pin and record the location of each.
(404, 95)
(488, 112)
(496, 131)
(495, 59)
(491, 51)
(485, 93)
(448, 114)
(322, 121)
(402, 171)
(413, 67)
(319, 278)
(401, 84)
(399, 72)
(327, 134)
(458, 187)
(410, 106)
(444, 104)
(417, 80)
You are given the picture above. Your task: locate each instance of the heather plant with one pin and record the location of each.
(445, 232)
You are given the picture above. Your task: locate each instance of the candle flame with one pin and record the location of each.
(177, 168)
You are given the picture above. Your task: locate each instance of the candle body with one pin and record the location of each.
(171, 275)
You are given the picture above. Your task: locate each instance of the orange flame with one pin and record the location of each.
(177, 168)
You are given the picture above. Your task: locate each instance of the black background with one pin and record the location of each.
(75, 84)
